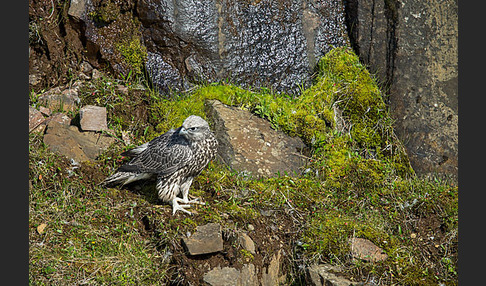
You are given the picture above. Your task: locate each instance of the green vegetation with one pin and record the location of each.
(134, 54)
(359, 184)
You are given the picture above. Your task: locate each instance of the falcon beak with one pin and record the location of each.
(183, 131)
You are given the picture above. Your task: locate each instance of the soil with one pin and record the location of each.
(270, 234)
(55, 48)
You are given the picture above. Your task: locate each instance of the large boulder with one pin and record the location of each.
(412, 47)
(248, 144)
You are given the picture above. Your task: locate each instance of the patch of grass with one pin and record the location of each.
(92, 234)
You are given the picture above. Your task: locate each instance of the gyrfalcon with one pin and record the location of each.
(175, 158)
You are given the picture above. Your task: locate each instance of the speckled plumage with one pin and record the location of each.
(175, 158)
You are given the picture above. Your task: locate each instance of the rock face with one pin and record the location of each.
(259, 43)
(249, 144)
(412, 46)
(207, 239)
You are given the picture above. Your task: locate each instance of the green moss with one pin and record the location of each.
(107, 12)
(134, 53)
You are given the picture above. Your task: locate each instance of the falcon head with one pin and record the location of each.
(194, 128)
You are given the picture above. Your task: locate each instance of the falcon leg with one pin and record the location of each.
(185, 193)
(176, 207)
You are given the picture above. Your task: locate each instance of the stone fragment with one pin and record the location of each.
(229, 276)
(93, 118)
(86, 68)
(271, 275)
(206, 239)
(35, 118)
(226, 276)
(246, 242)
(44, 110)
(366, 250)
(326, 275)
(248, 144)
(96, 74)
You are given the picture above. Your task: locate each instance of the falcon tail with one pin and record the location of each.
(123, 178)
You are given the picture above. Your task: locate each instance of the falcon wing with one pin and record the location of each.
(161, 140)
(164, 155)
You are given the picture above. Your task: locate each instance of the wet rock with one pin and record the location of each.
(58, 99)
(413, 46)
(249, 144)
(262, 43)
(93, 118)
(207, 239)
(164, 74)
(327, 275)
(229, 276)
(35, 118)
(67, 140)
(366, 250)
(246, 242)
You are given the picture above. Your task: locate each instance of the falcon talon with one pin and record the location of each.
(175, 158)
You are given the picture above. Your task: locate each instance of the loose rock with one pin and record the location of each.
(366, 250)
(325, 275)
(229, 276)
(35, 118)
(271, 275)
(93, 118)
(206, 239)
(246, 242)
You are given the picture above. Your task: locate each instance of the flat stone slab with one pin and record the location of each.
(67, 140)
(366, 250)
(93, 118)
(247, 143)
(207, 239)
(229, 276)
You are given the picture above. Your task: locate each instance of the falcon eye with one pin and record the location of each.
(192, 128)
